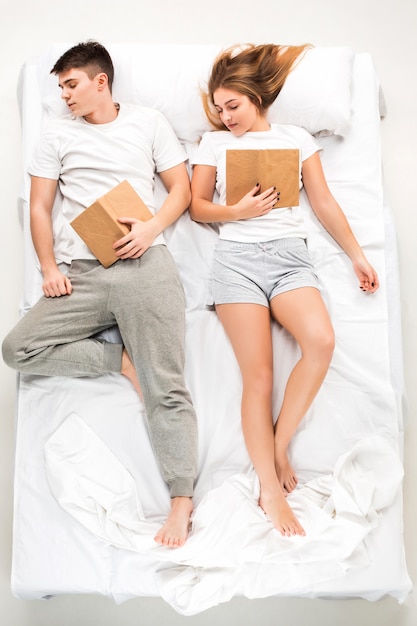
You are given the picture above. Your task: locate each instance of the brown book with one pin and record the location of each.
(271, 168)
(98, 225)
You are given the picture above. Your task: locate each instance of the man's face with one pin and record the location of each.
(79, 91)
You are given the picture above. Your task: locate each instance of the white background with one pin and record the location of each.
(385, 28)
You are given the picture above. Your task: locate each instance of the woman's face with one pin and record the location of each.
(238, 113)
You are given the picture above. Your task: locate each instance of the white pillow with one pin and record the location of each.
(317, 93)
(168, 78)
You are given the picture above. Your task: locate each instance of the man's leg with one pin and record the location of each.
(148, 302)
(149, 299)
(54, 338)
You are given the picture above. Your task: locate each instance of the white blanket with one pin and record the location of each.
(230, 533)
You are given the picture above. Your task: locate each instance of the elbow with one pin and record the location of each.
(193, 210)
(184, 196)
(187, 197)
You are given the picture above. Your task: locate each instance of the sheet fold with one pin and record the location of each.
(233, 548)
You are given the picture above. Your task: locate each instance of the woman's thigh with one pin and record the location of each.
(303, 313)
(248, 327)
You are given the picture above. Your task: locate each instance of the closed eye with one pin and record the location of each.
(229, 108)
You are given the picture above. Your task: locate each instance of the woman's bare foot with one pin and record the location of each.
(279, 512)
(128, 370)
(174, 532)
(286, 475)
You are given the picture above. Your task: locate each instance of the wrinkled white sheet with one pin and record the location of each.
(229, 530)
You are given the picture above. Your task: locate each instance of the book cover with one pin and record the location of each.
(271, 168)
(98, 226)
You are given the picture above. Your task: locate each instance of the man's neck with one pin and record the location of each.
(104, 115)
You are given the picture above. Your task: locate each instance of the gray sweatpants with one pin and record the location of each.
(145, 298)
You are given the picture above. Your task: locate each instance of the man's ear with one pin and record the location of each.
(102, 81)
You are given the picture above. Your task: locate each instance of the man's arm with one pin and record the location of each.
(142, 234)
(42, 196)
(177, 183)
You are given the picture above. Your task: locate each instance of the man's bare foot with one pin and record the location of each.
(279, 512)
(286, 475)
(128, 370)
(174, 533)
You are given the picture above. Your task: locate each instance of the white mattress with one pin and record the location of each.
(88, 493)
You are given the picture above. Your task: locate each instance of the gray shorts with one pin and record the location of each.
(257, 272)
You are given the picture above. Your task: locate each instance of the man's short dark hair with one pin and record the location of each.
(91, 56)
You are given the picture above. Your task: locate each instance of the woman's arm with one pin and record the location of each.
(334, 221)
(203, 209)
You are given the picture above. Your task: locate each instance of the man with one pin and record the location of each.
(84, 155)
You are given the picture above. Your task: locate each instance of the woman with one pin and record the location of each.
(261, 266)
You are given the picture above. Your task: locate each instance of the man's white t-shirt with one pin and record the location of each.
(278, 223)
(90, 159)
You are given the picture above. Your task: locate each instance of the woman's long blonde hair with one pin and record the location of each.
(257, 71)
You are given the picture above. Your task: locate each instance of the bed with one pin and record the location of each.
(88, 493)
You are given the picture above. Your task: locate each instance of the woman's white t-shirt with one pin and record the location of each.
(90, 159)
(278, 223)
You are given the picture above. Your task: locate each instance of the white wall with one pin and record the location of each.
(386, 29)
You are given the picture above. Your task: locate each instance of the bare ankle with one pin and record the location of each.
(280, 514)
(174, 533)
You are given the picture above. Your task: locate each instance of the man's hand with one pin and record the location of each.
(137, 241)
(56, 284)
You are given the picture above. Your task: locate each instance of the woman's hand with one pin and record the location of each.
(137, 241)
(368, 278)
(203, 209)
(254, 204)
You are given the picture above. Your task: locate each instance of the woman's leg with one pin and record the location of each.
(248, 327)
(302, 313)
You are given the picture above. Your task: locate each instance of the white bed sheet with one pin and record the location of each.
(87, 527)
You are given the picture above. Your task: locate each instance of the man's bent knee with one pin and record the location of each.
(9, 351)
